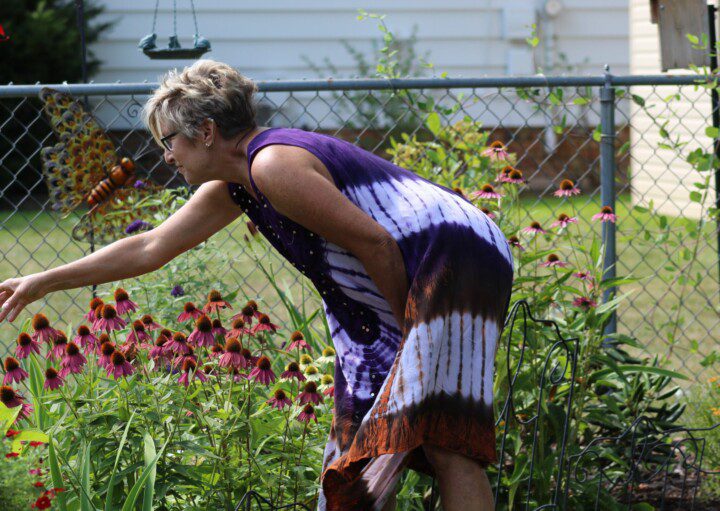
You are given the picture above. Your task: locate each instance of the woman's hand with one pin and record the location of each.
(16, 294)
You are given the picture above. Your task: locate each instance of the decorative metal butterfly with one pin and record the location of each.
(83, 167)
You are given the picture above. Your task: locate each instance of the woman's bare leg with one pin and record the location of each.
(464, 486)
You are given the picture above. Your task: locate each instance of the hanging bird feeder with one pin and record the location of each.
(173, 49)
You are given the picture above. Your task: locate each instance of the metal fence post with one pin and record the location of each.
(607, 186)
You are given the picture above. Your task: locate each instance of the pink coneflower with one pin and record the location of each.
(563, 220)
(514, 241)
(13, 372)
(486, 191)
(553, 261)
(98, 317)
(238, 329)
(59, 344)
(584, 302)
(606, 215)
(535, 228)
(137, 333)
(26, 345)
(189, 312)
(292, 371)
(297, 340)
(149, 323)
(86, 339)
(307, 414)
(179, 360)
(567, 189)
(190, 371)
(43, 331)
(9, 397)
(310, 394)
(514, 176)
(202, 335)
(218, 329)
(159, 349)
(106, 352)
(233, 355)
(110, 320)
(123, 302)
(247, 313)
(264, 325)
(263, 372)
(25, 410)
(119, 366)
(215, 302)
(73, 360)
(496, 151)
(178, 344)
(279, 400)
(217, 351)
(237, 375)
(459, 191)
(252, 359)
(52, 379)
(94, 304)
(489, 213)
(584, 275)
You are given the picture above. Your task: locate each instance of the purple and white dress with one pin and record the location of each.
(429, 381)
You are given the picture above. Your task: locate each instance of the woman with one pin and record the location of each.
(415, 282)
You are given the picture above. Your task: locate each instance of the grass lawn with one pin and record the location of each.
(33, 241)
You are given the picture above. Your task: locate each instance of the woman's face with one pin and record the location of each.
(188, 155)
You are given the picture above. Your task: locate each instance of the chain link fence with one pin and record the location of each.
(624, 141)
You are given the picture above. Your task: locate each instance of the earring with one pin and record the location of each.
(207, 146)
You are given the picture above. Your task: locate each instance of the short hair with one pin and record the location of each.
(206, 89)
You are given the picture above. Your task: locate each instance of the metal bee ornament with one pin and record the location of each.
(83, 167)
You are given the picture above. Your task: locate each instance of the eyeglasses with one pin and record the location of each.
(165, 141)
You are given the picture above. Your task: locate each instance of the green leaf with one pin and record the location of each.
(692, 38)
(638, 100)
(712, 131)
(111, 483)
(7, 418)
(149, 454)
(637, 369)
(696, 196)
(85, 503)
(28, 435)
(140, 483)
(433, 123)
(56, 475)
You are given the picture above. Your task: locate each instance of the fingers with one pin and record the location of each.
(5, 308)
(15, 311)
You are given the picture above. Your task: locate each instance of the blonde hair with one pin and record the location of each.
(206, 89)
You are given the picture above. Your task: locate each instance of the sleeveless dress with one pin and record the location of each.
(429, 381)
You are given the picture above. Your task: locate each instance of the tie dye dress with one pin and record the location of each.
(396, 388)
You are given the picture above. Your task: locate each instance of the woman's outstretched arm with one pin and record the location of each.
(208, 210)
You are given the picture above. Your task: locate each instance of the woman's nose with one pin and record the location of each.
(169, 158)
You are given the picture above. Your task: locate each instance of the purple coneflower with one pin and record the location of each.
(149, 323)
(535, 228)
(567, 189)
(233, 356)
(215, 302)
(264, 325)
(563, 220)
(606, 215)
(218, 329)
(137, 333)
(307, 414)
(252, 359)
(514, 176)
(459, 191)
(279, 400)
(584, 275)
(13, 372)
(263, 372)
(58, 348)
(177, 290)
(159, 349)
(119, 366)
(217, 351)
(584, 302)
(486, 191)
(90, 314)
(52, 379)
(43, 331)
(106, 352)
(202, 335)
(489, 213)
(292, 371)
(123, 303)
(73, 360)
(237, 375)
(98, 316)
(26, 345)
(86, 339)
(248, 312)
(178, 344)
(330, 391)
(190, 312)
(238, 329)
(297, 340)
(9, 397)
(496, 151)
(179, 360)
(110, 320)
(310, 394)
(514, 241)
(138, 225)
(552, 261)
(189, 371)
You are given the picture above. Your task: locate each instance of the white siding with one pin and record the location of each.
(658, 174)
(465, 38)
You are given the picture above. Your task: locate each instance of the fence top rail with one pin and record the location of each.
(110, 89)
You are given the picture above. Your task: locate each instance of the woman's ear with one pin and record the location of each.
(208, 130)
